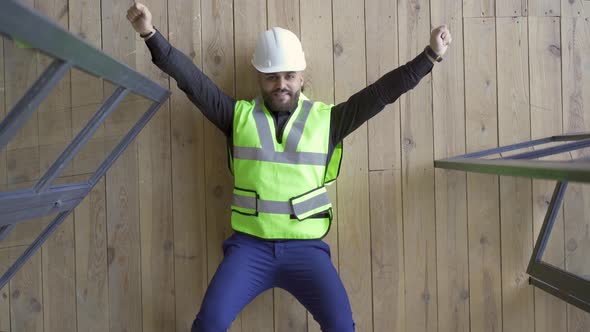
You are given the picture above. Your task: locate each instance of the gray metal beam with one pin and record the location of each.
(28, 104)
(33, 247)
(81, 139)
(145, 118)
(552, 170)
(5, 230)
(20, 22)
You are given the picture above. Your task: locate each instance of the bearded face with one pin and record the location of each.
(281, 90)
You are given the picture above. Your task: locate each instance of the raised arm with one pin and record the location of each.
(208, 97)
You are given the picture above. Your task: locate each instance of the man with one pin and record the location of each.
(283, 149)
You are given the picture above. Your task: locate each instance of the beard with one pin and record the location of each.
(274, 103)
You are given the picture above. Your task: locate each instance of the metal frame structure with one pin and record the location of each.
(560, 283)
(19, 22)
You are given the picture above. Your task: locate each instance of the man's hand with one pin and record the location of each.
(440, 38)
(141, 19)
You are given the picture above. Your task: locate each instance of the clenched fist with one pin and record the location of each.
(440, 38)
(141, 19)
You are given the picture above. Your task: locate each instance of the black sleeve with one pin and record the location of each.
(213, 103)
(363, 105)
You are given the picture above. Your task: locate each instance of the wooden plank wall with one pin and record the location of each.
(418, 248)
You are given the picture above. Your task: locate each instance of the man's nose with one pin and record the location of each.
(281, 83)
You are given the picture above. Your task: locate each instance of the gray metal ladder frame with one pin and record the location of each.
(558, 282)
(19, 22)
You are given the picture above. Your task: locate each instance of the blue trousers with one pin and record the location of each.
(250, 266)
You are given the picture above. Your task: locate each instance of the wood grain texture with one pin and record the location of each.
(576, 93)
(26, 292)
(511, 8)
(546, 120)
(418, 176)
(515, 193)
(481, 121)
(122, 184)
(188, 172)
(387, 256)
(353, 191)
(575, 8)
(382, 56)
(540, 8)
(92, 286)
(479, 8)
(219, 65)
(5, 291)
(450, 186)
(155, 197)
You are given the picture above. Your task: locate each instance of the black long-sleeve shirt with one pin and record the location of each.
(347, 116)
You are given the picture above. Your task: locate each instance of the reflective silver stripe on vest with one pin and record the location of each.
(297, 129)
(280, 207)
(311, 204)
(245, 202)
(301, 158)
(267, 151)
(262, 126)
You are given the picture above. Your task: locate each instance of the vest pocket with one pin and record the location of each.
(311, 203)
(245, 202)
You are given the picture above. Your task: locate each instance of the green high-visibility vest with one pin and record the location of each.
(279, 190)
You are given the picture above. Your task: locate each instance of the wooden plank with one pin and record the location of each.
(353, 216)
(382, 57)
(578, 320)
(289, 314)
(155, 197)
(86, 90)
(54, 118)
(20, 73)
(218, 64)
(479, 8)
(450, 186)
(483, 204)
(385, 186)
(418, 176)
(575, 8)
(511, 8)
(26, 292)
(55, 132)
(4, 292)
(515, 193)
(91, 261)
(546, 120)
(545, 76)
(387, 256)
(577, 242)
(188, 169)
(576, 98)
(284, 14)
(539, 8)
(316, 37)
(22, 152)
(122, 185)
(59, 276)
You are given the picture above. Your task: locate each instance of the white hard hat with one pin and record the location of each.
(278, 50)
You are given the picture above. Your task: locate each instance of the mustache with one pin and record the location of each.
(282, 90)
